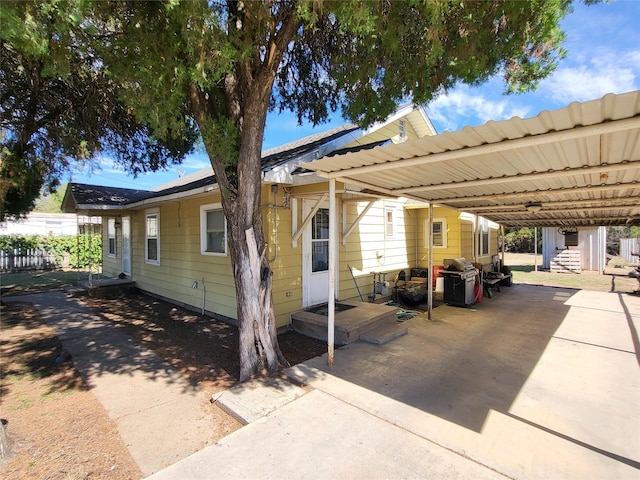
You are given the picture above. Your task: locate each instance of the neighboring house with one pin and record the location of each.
(573, 249)
(172, 241)
(37, 223)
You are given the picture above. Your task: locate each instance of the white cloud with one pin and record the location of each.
(195, 162)
(466, 106)
(606, 72)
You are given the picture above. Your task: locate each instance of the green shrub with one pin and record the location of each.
(82, 250)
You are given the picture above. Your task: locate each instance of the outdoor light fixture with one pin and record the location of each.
(533, 207)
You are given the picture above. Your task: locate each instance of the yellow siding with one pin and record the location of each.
(367, 249)
(466, 230)
(181, 263)
(111, 266)
(455, 236)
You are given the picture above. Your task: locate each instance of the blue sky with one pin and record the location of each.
(603, 44)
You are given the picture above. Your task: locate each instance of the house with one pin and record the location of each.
(172, 241)
(39, 223)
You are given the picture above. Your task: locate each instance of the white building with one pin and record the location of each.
(37, 223)
(568, 249)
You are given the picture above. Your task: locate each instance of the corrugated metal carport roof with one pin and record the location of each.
(580, 165)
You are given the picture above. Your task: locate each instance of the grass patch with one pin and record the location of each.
(26, 282)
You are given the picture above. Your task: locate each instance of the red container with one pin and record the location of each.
(435, 273)
(477, 292)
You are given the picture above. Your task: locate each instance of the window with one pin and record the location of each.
(571, 239)
(152, 236)
(402, 130)
(111, 235)
(389, 221)
(439, 233)
(482, 243)
(320, 241)
(213, 230)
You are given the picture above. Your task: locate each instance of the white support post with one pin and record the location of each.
(502, 252)
(430, 275)
(333, 236)
(535, 249)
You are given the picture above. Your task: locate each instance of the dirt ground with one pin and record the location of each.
(58, 430)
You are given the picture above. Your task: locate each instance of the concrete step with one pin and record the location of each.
(349, 325)
(384, 334)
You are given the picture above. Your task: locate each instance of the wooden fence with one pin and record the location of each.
(29, 259)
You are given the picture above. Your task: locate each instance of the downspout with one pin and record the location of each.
(474, 239)
(274, 190)
(204, 295)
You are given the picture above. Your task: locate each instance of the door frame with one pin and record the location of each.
(126, 253)
(307, 268)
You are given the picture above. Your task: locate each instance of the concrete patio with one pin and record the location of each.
(536, 383)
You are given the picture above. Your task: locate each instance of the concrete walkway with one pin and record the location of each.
(159, 415)
(536, 383)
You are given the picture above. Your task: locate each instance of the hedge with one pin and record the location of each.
(82, 250)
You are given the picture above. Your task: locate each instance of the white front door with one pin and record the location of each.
(126, 246)
(315, 253)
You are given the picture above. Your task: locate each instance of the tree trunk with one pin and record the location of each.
(244, 98)
(259, 348)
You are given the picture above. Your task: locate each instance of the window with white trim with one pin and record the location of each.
(482, 237)
(389, 221)
(152, 237)
(438, 231)
(111, 237)
(213, 230)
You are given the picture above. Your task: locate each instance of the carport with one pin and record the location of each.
(576, 166)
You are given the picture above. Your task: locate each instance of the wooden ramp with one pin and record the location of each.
(354, 321)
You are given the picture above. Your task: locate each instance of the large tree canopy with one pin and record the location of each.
(60, 107)
(224, 64)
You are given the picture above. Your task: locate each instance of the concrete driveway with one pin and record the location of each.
(535, 383)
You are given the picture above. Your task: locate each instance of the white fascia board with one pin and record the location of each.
(88, 207)
(427, 120)
(307, 179)
(175, 196)
(284, 173)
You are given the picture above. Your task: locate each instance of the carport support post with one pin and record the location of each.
(535, 249)
(333, 236)
(502, 246)
(430, 275)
